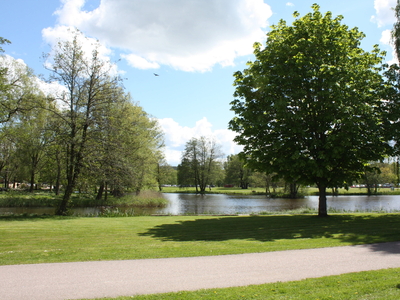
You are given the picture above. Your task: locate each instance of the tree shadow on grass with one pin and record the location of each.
(354, 229)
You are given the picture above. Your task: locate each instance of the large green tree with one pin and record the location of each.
(309, 107)
(393, 76)
(33, 137)
(89, 88)
(236, 172)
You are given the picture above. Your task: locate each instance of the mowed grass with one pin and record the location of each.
(381, 284)
(53, 239)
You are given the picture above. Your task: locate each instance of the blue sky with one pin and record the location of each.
(194, 45)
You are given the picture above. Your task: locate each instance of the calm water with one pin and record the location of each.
(231, 204)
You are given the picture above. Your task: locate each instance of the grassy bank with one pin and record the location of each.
(52, 239)
(49, 199)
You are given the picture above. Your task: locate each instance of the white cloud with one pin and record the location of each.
(176, 137)
(386, 39)
(289, 4)
(139, 62)
(184, 34)
(384, 12)
(51, 88)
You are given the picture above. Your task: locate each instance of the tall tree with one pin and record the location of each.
(33, 139)
(200, 160)
(89, 87)
(125, 147)
(165, 174)
(393, 75)
(236, 172)
(8, 164)
(309, 107)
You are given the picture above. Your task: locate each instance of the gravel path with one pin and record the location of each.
(130, 277)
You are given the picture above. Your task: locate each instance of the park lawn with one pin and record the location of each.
(67, 239)
(381, 284)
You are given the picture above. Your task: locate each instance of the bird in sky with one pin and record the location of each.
(156, 74)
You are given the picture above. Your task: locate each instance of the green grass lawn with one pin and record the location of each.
(381, 284)
(64, 239)
(52, 239)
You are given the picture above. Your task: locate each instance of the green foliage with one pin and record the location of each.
(165, 175)
(18, 88)
(200, 166)
(100, 138)
(309, 107)
(236, 172)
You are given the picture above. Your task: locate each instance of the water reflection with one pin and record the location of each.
(240, 204)
(232, 204)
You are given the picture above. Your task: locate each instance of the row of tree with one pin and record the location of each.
(84, 135)
(203, 165)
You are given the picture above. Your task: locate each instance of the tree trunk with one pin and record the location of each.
(106, 193)
(100, 192)
(32, 182)
(196, 180)
(293, 190)
(62, 209)
(57, 185)
(369, 192)
(6, 181)
(322, 207)
(58, 176)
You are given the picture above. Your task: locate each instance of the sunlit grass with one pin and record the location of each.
(56, 239)
(381, 284)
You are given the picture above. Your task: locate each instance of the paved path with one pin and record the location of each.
(126, 278)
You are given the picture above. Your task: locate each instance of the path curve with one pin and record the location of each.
(97, 279)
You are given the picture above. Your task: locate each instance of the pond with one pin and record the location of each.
(240, 204)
